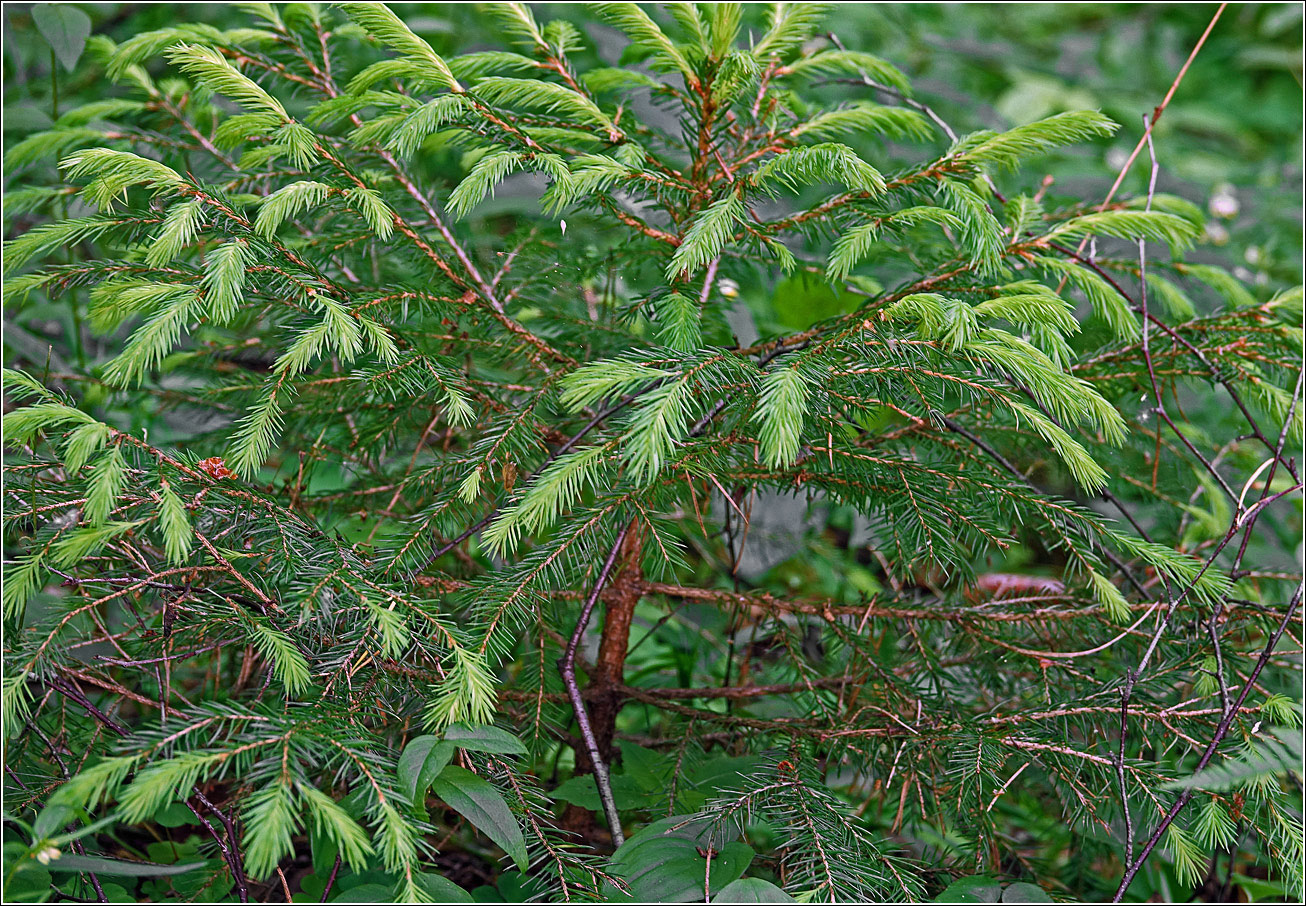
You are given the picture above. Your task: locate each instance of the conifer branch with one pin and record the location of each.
(381, 424)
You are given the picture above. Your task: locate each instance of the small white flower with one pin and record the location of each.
(1224, 203)
(563, 224)
(728, 287)
(47, 854)
(1216, 234)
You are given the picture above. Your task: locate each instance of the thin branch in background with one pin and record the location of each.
(908, 101)
(1132, 676)
(1147, 134)
(1242, 520)
(1226, 721)
(234, 859)
(1156, 115)
(227, 856)
(1212, 370)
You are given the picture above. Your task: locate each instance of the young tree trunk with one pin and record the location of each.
(603, 691)
(620, 598)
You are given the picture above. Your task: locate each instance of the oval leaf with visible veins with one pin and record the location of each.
(481, 804)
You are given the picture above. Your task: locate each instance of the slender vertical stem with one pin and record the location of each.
(326, 891)
(1156, 115)
(54, 85)
(1120, 770)
(227, 855)
(567, 666)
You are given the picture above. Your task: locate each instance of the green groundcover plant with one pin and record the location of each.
(389, 536)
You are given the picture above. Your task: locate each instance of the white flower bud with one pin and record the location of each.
(1224, 203)
(47, 854)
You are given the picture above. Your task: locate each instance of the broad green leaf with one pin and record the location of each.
(366, 893)
(484, 738)
(480, 803)
(663, 868)
(65, 27)
(440, 889)
(421, 762)
(583, 791)
(973, 889)
(752, 890)
(649, 769)
(1024, 892)
(52, 819)
(805, 298)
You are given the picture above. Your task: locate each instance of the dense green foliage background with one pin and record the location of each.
(1230, 143)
